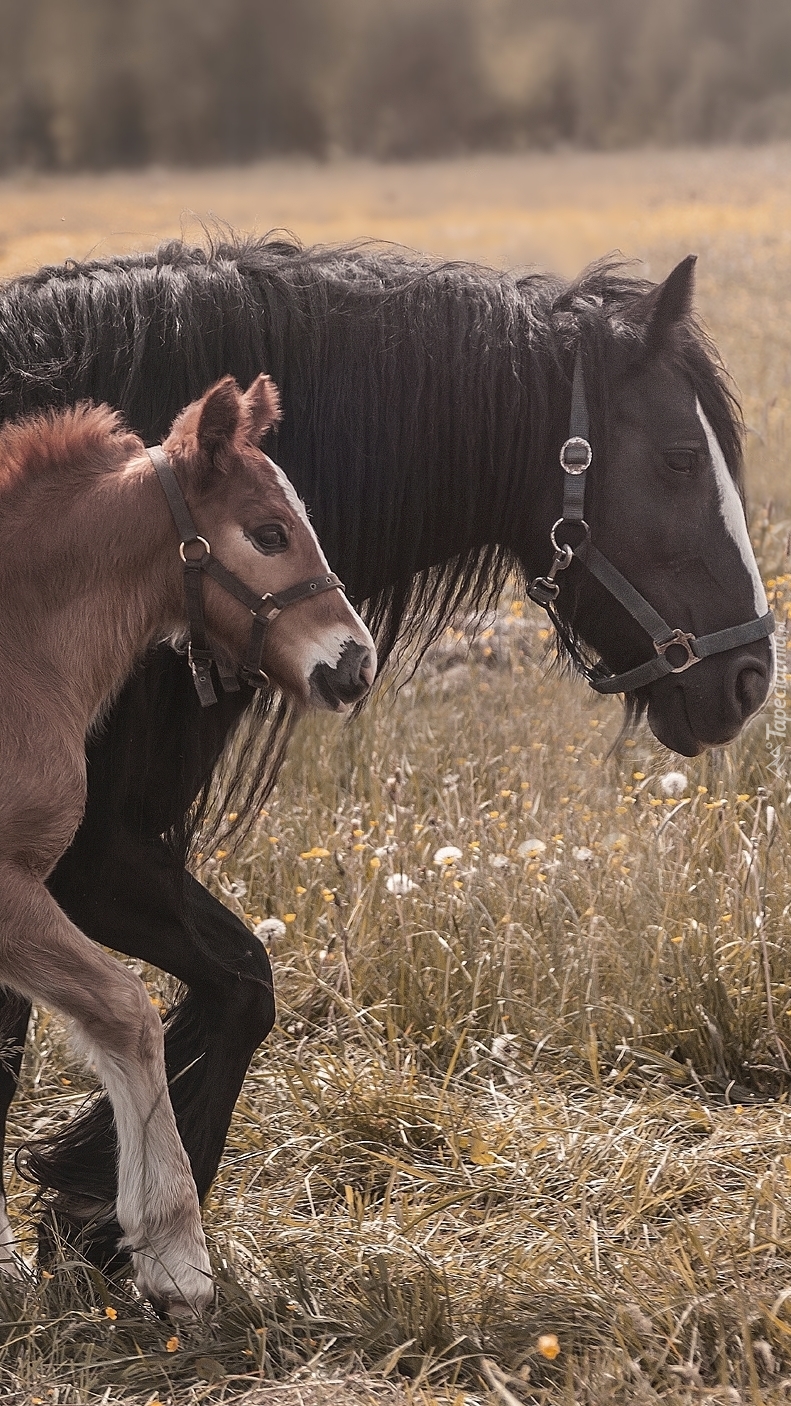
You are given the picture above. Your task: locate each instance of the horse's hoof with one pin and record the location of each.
(86, 1227)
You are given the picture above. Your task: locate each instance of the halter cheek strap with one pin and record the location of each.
(262, 608)
(675, 650)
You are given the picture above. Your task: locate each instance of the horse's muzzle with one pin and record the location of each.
(709, 705)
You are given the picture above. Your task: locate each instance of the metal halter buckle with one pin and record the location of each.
(183, 546)
(684, 641)
(576, 455)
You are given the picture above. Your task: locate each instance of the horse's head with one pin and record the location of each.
(664, 507)
(315, 646)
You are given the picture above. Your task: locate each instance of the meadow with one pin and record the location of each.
(521, 1133)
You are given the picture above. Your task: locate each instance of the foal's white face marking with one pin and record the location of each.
(733, 513)
(328, 644)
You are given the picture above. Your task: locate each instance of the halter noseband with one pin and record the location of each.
(686, 649)
(262, 608)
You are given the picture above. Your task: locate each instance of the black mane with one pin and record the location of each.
(421, 399)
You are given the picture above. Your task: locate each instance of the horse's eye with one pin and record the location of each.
(270, 538)
(682, 460)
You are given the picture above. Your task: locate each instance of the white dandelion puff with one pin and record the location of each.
(447, 854)
(400, 885)
(269, 929)
(529, 848)
(674, 783)
(498, 861)
(582, 854)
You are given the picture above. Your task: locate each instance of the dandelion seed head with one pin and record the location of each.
(269, 930)
(674, 783)
(400, 885)
(447, 854)
(529, 848)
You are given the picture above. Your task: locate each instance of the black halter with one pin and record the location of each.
(262, 608)
(670, 645)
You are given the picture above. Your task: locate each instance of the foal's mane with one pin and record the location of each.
(413, 390)
(80, 442)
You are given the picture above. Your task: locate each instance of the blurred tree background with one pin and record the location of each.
(89, 84)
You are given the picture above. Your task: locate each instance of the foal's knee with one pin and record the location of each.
(126, 1027)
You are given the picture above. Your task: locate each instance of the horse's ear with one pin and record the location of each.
(670, 303)
(220, 416)
(261, 408)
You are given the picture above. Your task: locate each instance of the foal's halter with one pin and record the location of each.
(262, 608)
(670, 645)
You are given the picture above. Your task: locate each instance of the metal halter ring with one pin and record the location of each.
(577, 522)
(204, 544)
(582, 454)
(685, 641)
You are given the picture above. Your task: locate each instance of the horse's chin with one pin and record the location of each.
(669, 722)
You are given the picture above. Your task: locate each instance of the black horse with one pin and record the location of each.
(424, 408)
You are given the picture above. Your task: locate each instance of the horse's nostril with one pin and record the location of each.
(366, 670)
(751, 689)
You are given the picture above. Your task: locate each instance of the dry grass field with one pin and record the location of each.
(522, 1131)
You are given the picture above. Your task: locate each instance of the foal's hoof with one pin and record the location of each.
(177, 1280)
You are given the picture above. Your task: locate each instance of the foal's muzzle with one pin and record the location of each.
(347, 682)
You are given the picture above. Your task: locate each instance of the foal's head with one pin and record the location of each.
(318, 650)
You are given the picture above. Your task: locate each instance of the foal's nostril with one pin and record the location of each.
(366, 669)
(353, 674)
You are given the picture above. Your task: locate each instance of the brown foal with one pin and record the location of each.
(90, 577)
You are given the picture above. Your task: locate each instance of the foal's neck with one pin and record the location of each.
(96, 577)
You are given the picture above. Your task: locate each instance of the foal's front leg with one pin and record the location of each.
(44, 956)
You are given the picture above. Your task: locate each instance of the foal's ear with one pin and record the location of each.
(261, 408)
(220, 416)
(670, 303)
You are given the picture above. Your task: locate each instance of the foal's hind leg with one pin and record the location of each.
(45, 956)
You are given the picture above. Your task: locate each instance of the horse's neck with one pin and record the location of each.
(95, 578)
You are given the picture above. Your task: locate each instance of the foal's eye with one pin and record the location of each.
(270, 538)
(682, 460)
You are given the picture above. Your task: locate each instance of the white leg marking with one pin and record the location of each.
(157, 1202)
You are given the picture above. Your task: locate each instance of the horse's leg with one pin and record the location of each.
(47, 958)
(14, 1017)
(210, 1037)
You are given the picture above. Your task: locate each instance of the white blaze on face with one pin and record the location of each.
(330, 648)
(733, 514)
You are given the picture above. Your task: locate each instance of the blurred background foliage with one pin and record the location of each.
(90, 84)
